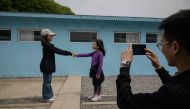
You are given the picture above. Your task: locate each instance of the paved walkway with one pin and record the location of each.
(69, 96)
(25, 93)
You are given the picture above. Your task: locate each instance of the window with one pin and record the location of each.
(5, 35)
(29, 35)
(153, 37)
(83, 36)
(126, 37)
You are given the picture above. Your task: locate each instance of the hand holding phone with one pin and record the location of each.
(153, 58)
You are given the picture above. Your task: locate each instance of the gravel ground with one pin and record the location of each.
(143, 84)
(18, 92)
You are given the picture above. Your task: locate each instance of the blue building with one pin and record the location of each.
(21, 51)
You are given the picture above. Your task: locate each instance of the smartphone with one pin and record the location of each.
(138, 49)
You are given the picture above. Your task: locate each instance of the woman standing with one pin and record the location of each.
(47, 65)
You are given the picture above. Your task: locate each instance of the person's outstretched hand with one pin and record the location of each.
(153, 58)
(127, 55)
(74, 55)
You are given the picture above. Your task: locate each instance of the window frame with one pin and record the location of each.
(82, 31)
(126, 38)
(18, 35)
(6, 41)
(152, 33)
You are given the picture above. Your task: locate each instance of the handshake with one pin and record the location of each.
(74, 55)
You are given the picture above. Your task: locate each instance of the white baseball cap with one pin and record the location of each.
(47, 32)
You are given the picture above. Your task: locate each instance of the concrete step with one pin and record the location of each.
(69, 95)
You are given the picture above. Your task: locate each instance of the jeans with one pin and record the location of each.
(47, 92)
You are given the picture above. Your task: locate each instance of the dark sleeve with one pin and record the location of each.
(57, 50)
(164, 75)
(123, 87)
(127, 100)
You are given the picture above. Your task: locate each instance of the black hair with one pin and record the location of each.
(177, 27)
(100, 44)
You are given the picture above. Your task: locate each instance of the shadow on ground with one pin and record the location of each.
(27, 100)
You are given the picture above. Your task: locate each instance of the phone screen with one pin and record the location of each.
(138, 49)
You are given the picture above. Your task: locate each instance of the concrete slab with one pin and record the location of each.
(99, 103)
(69, 95)
(26, 92)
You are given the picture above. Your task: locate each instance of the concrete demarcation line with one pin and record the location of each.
(69, 95)
(99, 103)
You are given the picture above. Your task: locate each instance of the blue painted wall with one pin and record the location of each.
(22, 59)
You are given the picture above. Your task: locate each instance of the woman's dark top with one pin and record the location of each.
(47, 64)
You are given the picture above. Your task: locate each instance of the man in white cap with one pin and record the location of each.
(47, 65)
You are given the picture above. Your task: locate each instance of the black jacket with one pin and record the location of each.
(173, 94)
(47, 64)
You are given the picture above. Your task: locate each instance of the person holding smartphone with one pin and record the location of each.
(175, 91)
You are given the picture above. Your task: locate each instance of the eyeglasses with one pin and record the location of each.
(160, 45)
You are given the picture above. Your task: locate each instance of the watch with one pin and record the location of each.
(127, 63)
